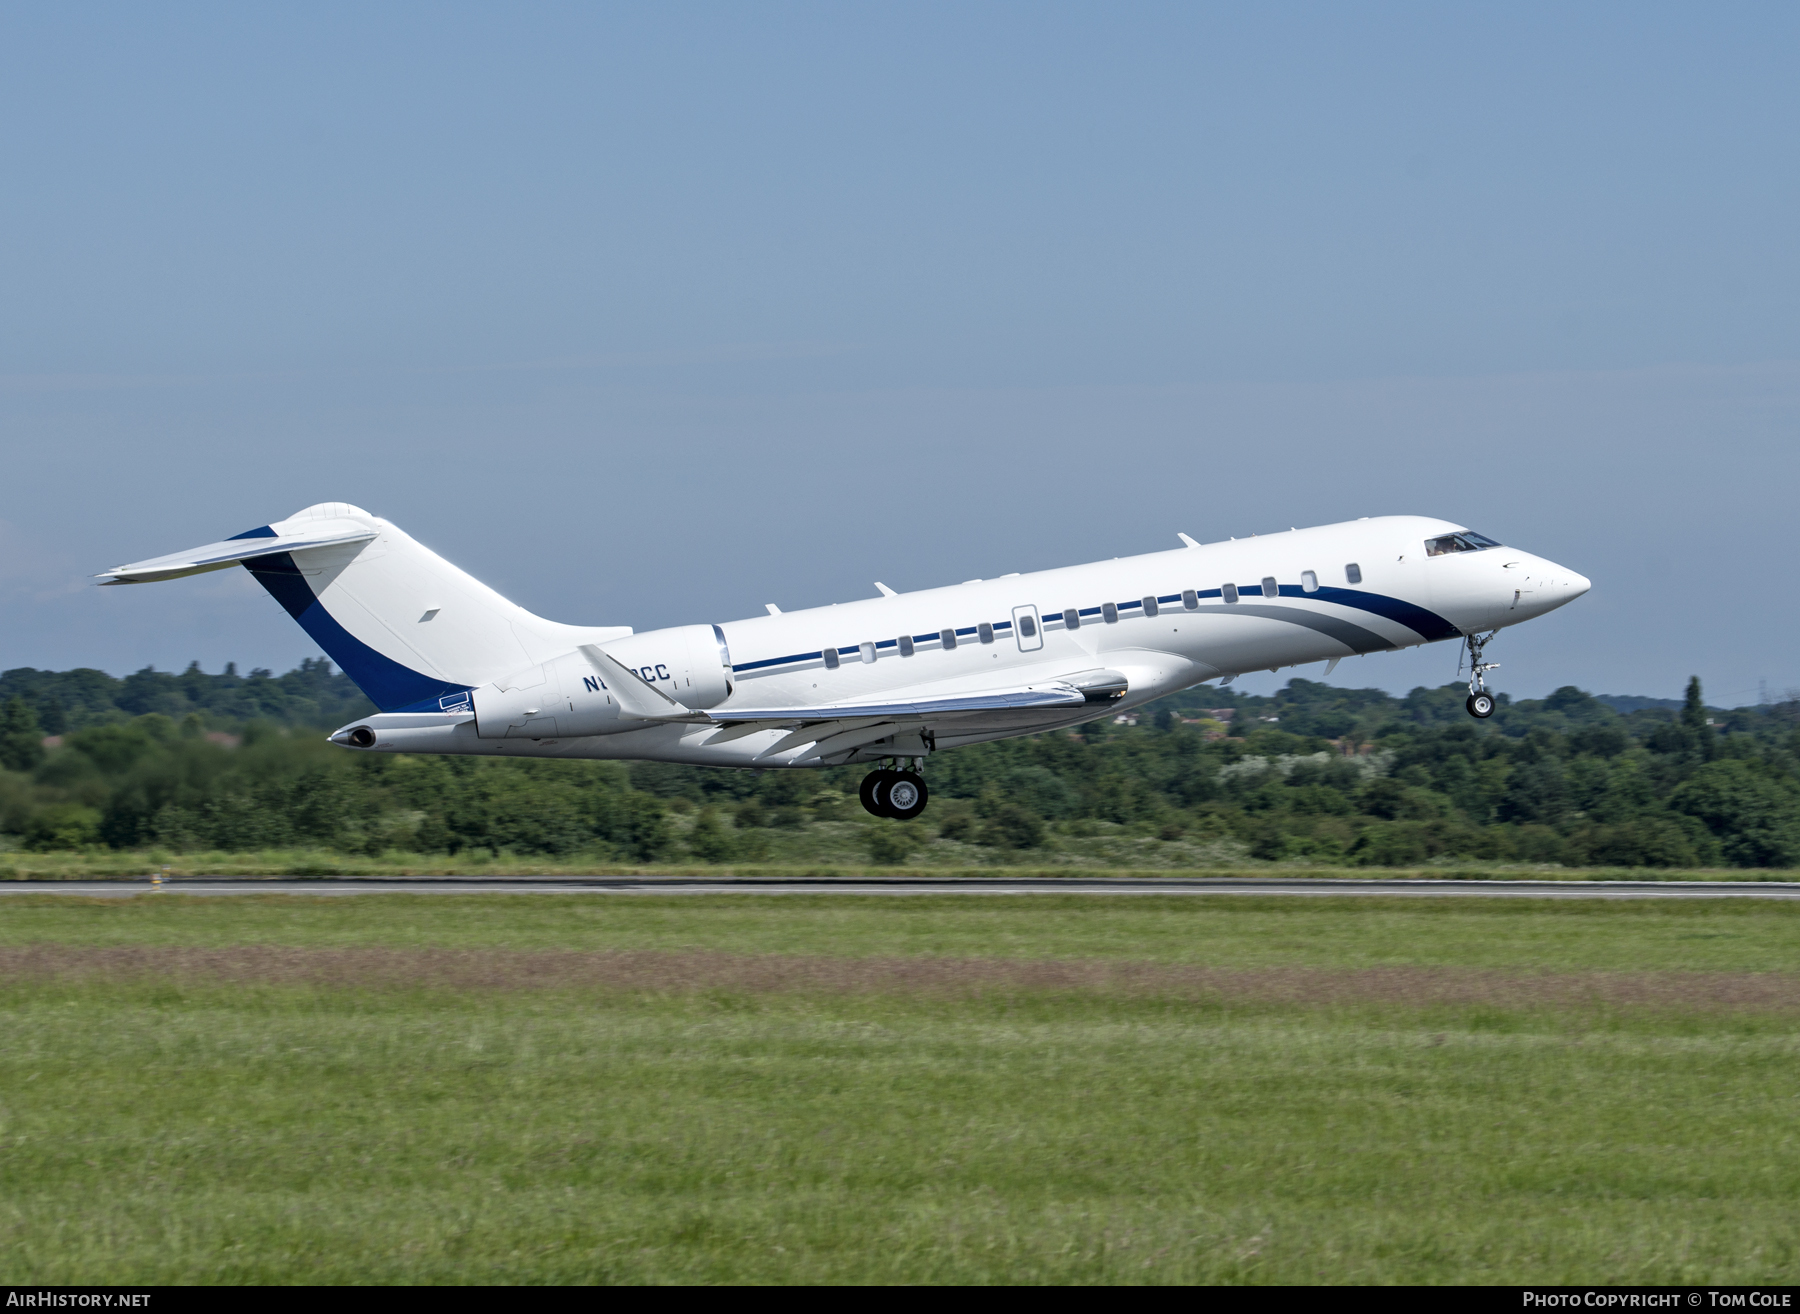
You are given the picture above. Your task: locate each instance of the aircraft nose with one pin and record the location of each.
(1561, 585)
(1565, 584)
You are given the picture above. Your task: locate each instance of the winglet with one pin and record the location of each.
(1185, 539)
(886, 592)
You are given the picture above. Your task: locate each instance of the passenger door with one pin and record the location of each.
(1028, 629)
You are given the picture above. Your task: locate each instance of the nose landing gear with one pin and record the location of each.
(1480, 702)
(898, 794)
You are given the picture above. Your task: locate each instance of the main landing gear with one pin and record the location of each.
(1480, 702)
(898, 794)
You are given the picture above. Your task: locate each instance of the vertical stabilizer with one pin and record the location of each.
(412, 630)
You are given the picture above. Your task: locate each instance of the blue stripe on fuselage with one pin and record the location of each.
(1427, 624)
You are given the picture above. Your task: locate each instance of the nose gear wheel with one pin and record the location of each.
(1480, 702)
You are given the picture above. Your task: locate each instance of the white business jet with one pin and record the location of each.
(456, 668)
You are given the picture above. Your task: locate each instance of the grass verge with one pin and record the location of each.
(107, 865)
(525, 1089)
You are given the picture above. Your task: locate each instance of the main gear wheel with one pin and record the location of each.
(906, 795)
(873, 792)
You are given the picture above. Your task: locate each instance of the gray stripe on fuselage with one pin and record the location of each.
(1353, 637)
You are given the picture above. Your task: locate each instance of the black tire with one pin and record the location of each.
(873, 792)
(1481, 706)
(906, 795)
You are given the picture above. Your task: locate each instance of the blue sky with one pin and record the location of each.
(654, 314)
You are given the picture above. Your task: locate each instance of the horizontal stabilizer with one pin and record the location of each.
(217, 556)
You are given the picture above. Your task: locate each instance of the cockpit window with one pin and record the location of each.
(1467, 541)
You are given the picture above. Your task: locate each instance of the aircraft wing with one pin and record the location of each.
(217, 556)
(842, 728)
(1046, 695)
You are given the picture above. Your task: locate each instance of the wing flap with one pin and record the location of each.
(843, 727)
(819, 731)
(845, 740)
(1043, 695)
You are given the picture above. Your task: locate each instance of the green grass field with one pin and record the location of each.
(961, 1089)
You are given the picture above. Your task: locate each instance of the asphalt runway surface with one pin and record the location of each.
(923, 885)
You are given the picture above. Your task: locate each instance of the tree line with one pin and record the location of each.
(313, 694)
(1314, 774)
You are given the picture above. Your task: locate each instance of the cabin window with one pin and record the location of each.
(906, 645)
(1309, 581)
(1150, 607)
(868, 653)
(985, 632)
(1027, 625)
(1190, 600)
(1071, 619)
(1353, 573)
(1270, 588)
(947, 638)
(1228, 592)
(831, 659)
(1109, 613)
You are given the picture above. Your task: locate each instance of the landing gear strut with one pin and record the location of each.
(1480, 702)
(898, 794)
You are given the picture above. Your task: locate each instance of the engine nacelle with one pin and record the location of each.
(561, 699)
(570, 697)
(689, 662)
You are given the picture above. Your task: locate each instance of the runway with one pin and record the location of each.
(905, 885)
